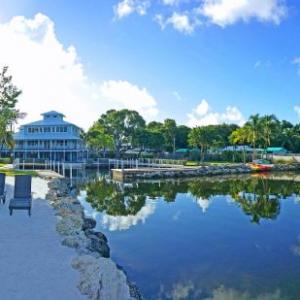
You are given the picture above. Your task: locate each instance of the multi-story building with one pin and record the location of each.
(51, 138)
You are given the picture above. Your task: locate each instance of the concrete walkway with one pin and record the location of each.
(33, 263)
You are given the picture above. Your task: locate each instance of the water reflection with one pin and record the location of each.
(125, 204)
(221, 238)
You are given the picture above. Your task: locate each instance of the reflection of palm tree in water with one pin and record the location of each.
(258, 201)
(258, 197)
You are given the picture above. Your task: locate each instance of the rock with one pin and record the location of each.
(88, 223)
(71, 242)
(98, 245)
(98, 234)
(101, 279)
(69, 225)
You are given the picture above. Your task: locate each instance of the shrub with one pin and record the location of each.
(5, 160)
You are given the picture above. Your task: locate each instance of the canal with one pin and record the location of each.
(208, 238)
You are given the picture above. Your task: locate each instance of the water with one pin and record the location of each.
(207, 238)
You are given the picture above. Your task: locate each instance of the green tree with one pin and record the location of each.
(269, 129)
(9, 115)
(201, 137)
(9, 93)
(98, 140)
(253, 132)
(122, 125)
(182, 133)
(169, 131)
(239, 137)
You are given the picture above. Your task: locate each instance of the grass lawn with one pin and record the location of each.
(12, 172)
(18, 172)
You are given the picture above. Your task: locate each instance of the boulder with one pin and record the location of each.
(98, 245)
(101, 279)
(88, 223)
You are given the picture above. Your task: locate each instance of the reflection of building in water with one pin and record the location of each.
(204, 203)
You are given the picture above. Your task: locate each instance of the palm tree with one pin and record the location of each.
(269, 126)
(239, 137)
(253, 132)
(201, 137)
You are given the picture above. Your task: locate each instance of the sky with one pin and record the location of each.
(197, 61)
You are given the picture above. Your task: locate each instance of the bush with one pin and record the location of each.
(191, 163)
(5, 160)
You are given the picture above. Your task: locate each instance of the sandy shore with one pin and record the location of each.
(33, 263)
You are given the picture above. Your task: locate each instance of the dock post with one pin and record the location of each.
(71, 174)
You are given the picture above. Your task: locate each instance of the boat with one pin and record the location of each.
(261, 165)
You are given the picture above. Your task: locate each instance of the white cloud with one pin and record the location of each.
(186, 15)
(227, 12)
(52, 77)
(170, 2)
(177, 95)
(204, 115)
(202, 108)
(297, 110)
(125, 94)
(296, 61)
(126, 7)
(180, 21)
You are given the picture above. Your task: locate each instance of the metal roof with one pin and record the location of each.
(46, 136)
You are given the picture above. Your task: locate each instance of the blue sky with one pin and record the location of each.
(198, 62)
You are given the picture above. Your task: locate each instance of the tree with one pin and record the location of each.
(169, 131)
(201, 137)
(122, 125)
(98, 140)
(239, 137)
(182, 133)
(269, 128)
(9, 93)
(253, 132)
(9, 115)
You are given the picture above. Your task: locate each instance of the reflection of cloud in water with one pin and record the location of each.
(223, 293)
(296, 248)
(296, 198)
(185, 291)
(204, 203)
(176, 215)
(114, 223)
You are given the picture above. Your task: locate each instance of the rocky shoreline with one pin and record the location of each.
(100, 277)
(209, 170)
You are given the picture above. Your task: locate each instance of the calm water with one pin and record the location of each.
(234, 238)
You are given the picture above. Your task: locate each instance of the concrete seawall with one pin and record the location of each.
(212, 170)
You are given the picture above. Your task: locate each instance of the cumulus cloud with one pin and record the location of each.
(228, 12)
(180, 21)
(125, 94)
(203, 115)
(185, 16)
(126, 7)
(297, 110)
(51, 76)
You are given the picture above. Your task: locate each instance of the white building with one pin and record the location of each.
(51, 138)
